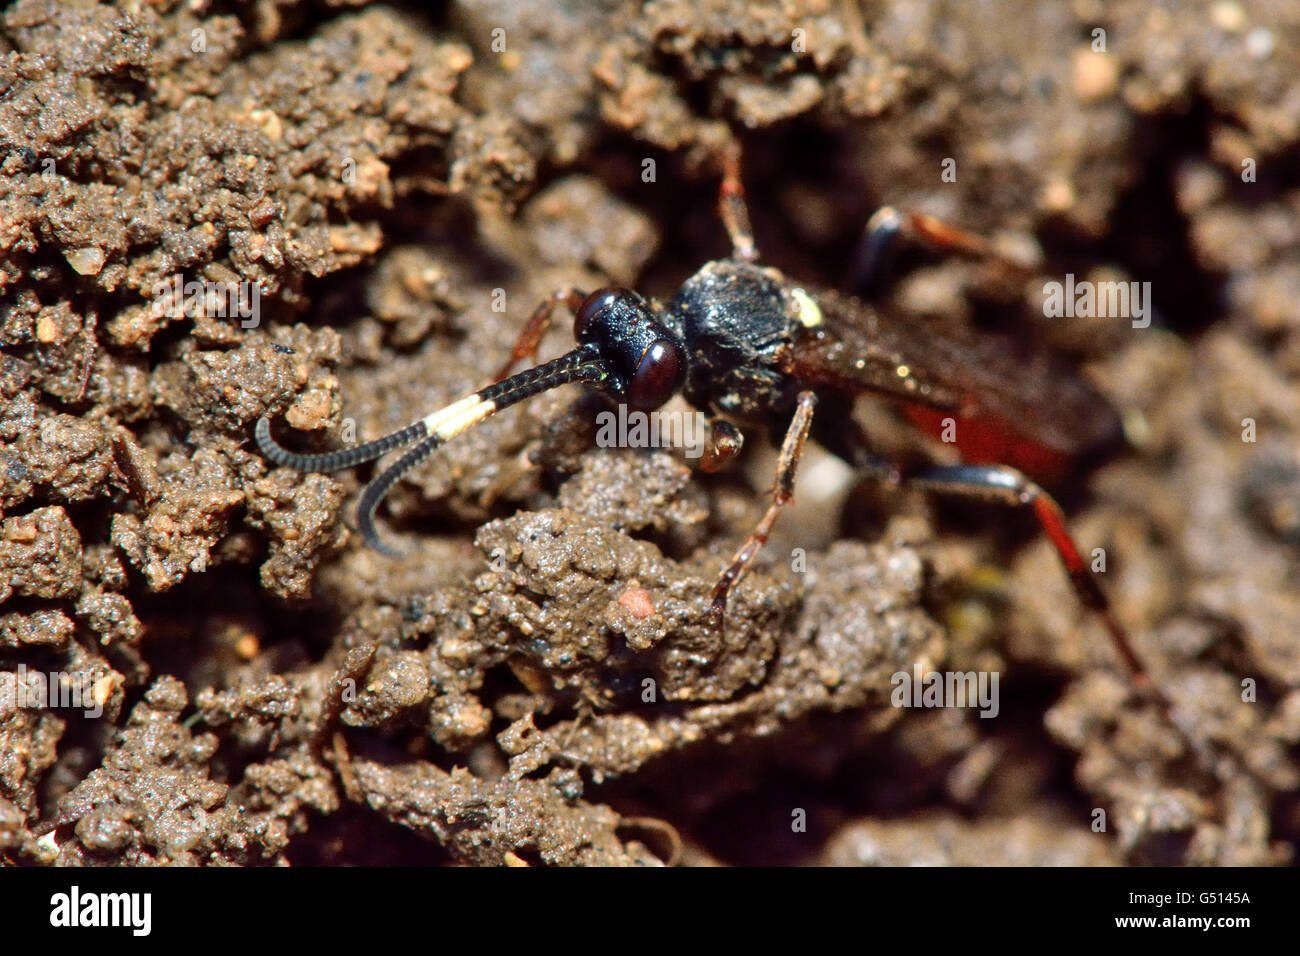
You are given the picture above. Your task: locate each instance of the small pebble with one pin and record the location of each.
(637, 600)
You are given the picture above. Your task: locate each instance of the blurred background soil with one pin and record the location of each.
(535, 682)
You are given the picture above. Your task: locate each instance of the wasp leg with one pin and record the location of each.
(939, 234)
(838, 432)
(879, 243)
(1008, 486)
(782, 494)
(876, 252)
(732, 207)
(725, 442)
(530, 339)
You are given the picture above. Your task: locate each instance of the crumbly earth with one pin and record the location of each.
(535, 681)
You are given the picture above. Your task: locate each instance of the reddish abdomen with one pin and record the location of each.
(989, 440)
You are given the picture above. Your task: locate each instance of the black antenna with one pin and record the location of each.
(583, 364)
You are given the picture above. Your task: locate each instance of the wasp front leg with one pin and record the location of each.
(782, 494)
(530, 339)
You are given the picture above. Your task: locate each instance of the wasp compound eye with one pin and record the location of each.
(657, 376)
(593, 307)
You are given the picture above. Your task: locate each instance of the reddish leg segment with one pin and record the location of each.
(1006, 485)
(732, 208)
(782, 494)
(530, 339)
(888, 223)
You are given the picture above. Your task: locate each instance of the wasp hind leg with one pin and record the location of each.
(1008, 486)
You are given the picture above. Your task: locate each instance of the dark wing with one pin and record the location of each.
(973, 376)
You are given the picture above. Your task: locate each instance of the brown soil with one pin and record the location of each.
(536, 682)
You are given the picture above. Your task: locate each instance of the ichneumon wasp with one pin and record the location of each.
(744, 343)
